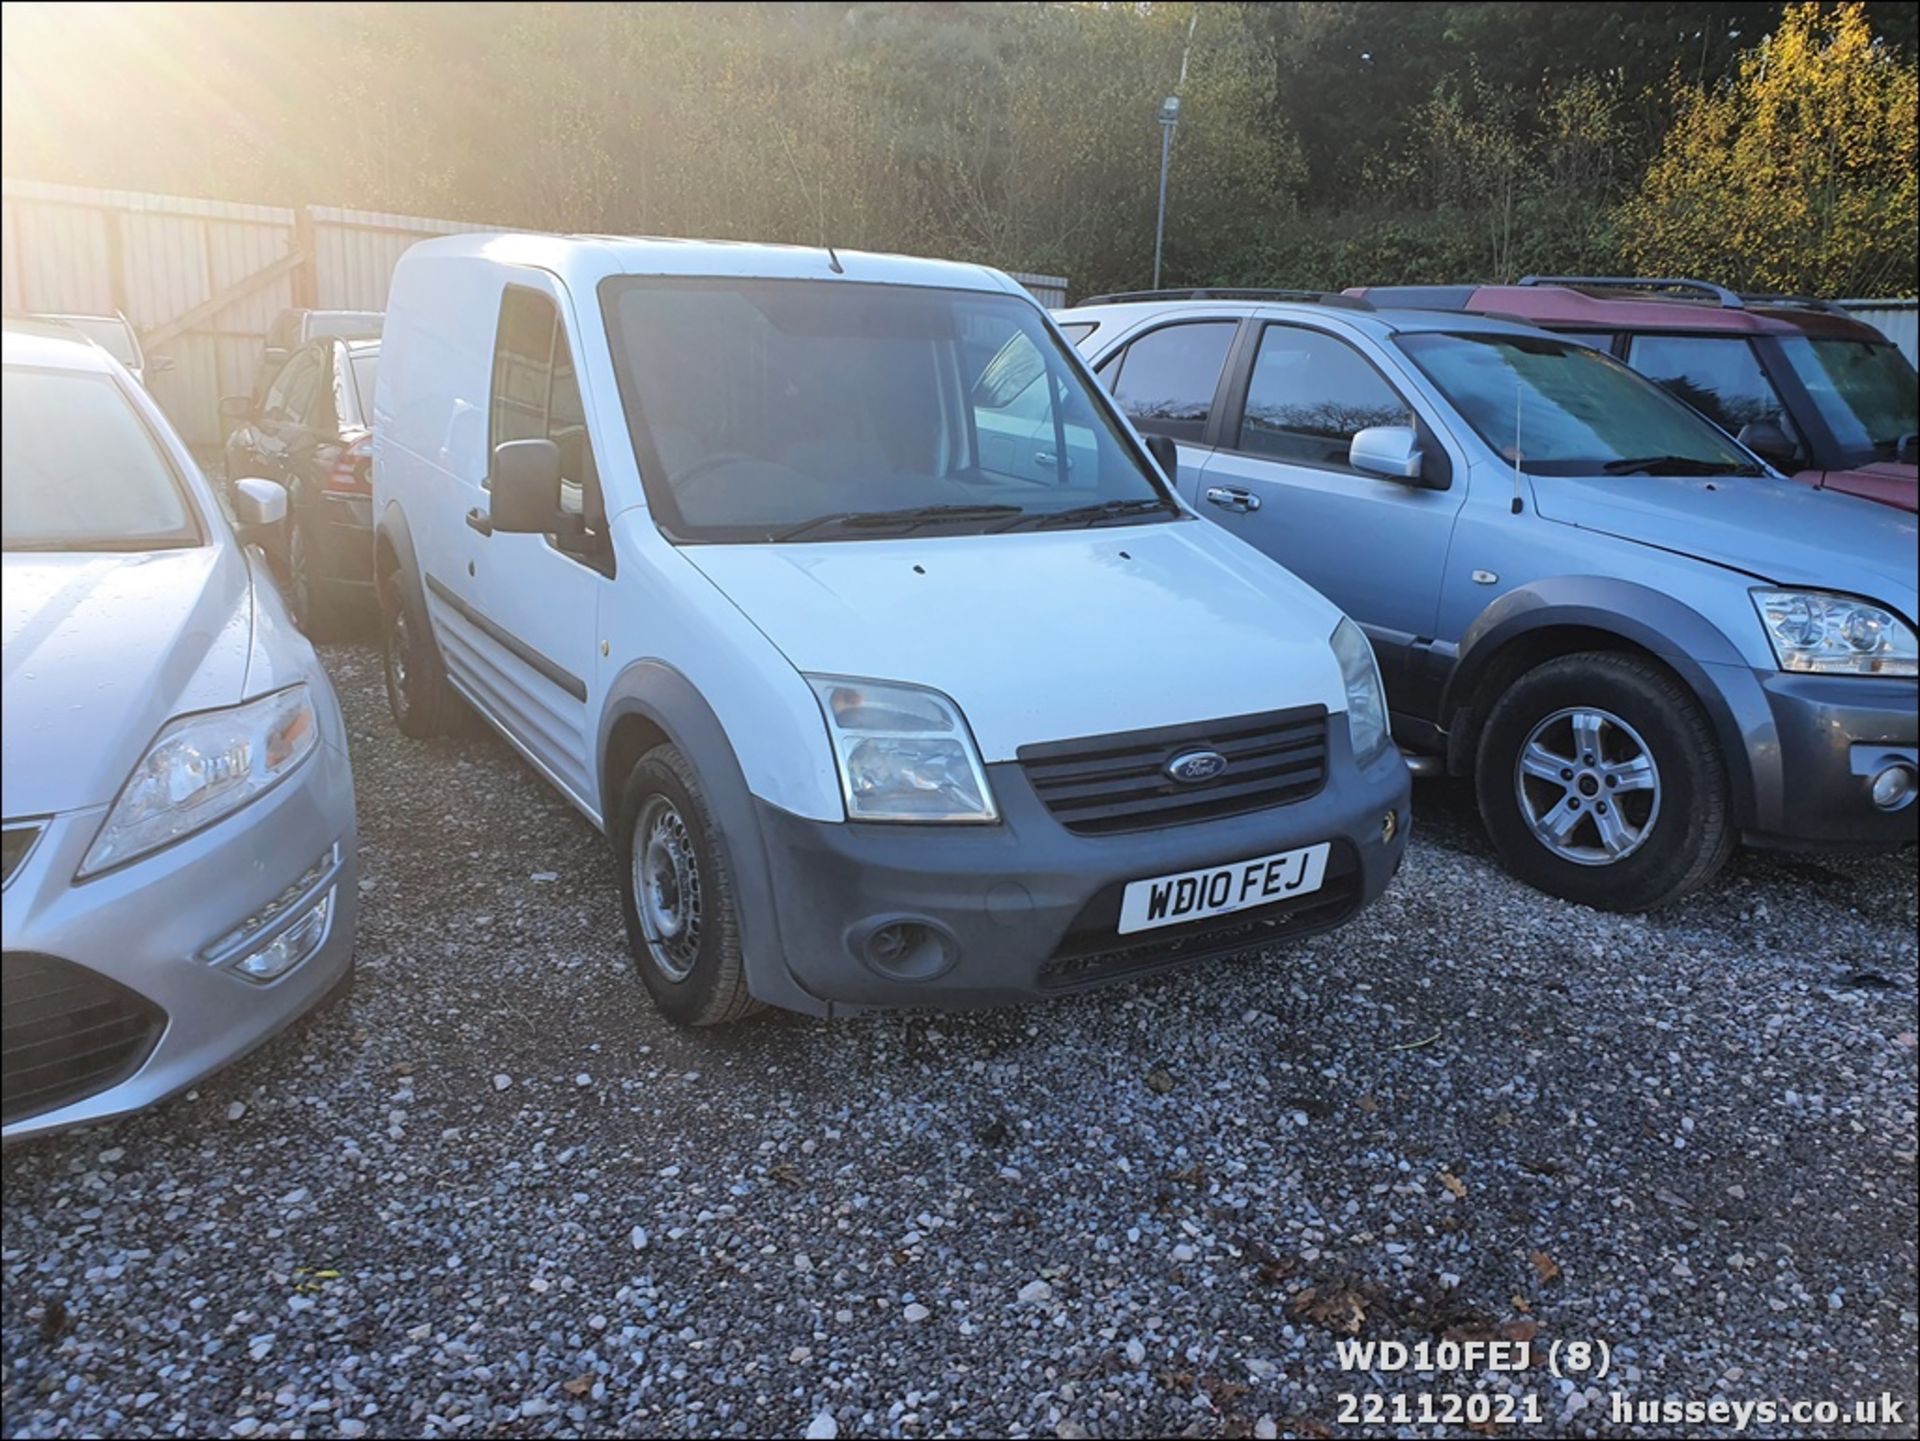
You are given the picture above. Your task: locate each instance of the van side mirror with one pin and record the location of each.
(1166, 454)
(259, 510)
(159, 364)
(1392, 451)
(526, 487)
(1768, 439)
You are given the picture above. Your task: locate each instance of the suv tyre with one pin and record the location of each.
(1601, 781)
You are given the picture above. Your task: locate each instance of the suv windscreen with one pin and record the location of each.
(83, 471)
(770, 409)
(1563, 409)
(1865, 391)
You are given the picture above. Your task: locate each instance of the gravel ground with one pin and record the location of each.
(490, 1192)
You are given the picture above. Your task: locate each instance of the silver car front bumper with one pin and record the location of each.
(138, 968)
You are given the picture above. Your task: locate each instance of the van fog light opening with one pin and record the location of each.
(904, 948)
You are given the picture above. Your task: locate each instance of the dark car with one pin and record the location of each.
(1822, 395)
(312, 430)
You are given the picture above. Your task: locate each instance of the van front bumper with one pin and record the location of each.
(1025, 908)
(1830, 738)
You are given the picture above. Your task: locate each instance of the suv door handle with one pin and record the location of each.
(1231, 497)
(480, 521)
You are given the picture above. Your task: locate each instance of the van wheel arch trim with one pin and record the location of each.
(661, 695)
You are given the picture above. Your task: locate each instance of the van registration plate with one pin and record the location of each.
(1221, 890)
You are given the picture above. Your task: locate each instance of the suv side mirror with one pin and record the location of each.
(1767, 439)
(236, 408)
(1908, 450)
(259, 508)
(526, 487)
(1392, 451)
(1166, 454)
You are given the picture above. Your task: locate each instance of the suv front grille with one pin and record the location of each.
(66, 1033)
(1119, 782)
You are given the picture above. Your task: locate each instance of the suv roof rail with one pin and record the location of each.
(1233, 292)
(1719, 294)
(1804, 302)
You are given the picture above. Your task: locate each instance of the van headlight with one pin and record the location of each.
(1366, 698)
(1824, 634)
(904, 752)
(203, 767)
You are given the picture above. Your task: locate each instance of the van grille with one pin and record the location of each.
(1108, 783)
(66, 1033)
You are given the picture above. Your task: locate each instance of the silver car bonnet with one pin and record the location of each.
(1776, 530)
(100, 651)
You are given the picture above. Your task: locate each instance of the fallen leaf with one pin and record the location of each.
(1369, 1104)
(1520, 1303)
(1453, 1183)
(1159, 1080)
(579, 1385)
(1524, 1329)
(1546, 1266)
(1338, 1308)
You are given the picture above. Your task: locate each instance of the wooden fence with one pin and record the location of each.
(202, 279)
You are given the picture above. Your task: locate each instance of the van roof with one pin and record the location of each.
(587, 259)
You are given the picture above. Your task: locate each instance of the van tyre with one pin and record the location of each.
(418, 693)
(677, 894)
(1601, 781)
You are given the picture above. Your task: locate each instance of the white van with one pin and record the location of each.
(832, 588)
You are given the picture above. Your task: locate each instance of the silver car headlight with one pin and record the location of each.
(904, 752)
(202, 767)
(1826, 634)
(1366, 697)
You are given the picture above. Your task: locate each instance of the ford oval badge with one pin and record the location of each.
(1192, 767)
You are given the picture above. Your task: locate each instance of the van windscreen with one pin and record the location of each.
(836, 410)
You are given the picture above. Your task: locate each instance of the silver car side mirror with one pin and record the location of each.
(1392, 451)
(259, 508)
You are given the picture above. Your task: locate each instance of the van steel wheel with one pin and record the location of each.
(666, 885)
(677, 892)
(1600, 780)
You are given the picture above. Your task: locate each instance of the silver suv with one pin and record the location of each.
(1644, 643)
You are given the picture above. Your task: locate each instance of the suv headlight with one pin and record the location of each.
(1366, 697)
(1826, 634)
(202, 767)
(904, 752)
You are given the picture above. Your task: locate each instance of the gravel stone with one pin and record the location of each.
(1691, 1135)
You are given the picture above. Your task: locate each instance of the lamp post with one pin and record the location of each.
(1169, 117)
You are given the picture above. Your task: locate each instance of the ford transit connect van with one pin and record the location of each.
(837, 594)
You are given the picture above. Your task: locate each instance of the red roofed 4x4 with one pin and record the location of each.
(1825, 397)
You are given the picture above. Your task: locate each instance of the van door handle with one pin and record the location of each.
(480, 521)
(1231, 497)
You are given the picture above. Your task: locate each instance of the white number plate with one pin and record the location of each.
(1221, 890)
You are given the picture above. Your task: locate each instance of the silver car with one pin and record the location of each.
(179, 864)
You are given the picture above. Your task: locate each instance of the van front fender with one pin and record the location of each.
(657, 693)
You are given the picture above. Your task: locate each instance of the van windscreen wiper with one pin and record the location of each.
(1675, 465)
(905, 520)
(1093, 514)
